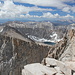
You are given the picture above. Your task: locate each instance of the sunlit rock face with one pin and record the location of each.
(50, 66)
(69, 53)
(65, 49)
(37, 69)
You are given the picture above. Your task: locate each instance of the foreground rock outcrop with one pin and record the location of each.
(37, 69)
(50, 66)
(62, 68)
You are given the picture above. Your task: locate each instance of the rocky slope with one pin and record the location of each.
(65, 49)
(64, 52)
(17, 51)
(38, 29)
(50, 66)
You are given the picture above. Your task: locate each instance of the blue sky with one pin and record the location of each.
(37, 10)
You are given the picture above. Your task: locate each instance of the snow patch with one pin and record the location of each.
(1, 30)
(37, 39)
(54, 37)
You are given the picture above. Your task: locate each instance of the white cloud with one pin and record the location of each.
(25, 16)
(69, 9)
(73, 9)
(48, 15)
(11, 10)
(68, 16)
(66, 9)
(53, 3)
(60, 4)
(71, 1)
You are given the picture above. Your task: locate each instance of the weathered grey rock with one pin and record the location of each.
(69, 53)
(59, 74)
(58, 70)
(49, 62)
(16, 52)
(73, 73)
(66, 70)
(60, 67)
(37, 69)
(70, 64)
(65, 49)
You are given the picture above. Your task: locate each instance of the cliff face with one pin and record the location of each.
(69, 53)
(65, 49)
(15, 53)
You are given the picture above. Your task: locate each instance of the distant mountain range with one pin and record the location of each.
(17, 50)
(41, 30)
(63, 22)
(55, 22)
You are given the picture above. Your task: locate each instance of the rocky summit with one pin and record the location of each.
(20, 55)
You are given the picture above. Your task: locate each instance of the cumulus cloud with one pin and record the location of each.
(49, 16)
(66, 9)
(52, 3)
(69, 9)
(68, 16)
(73, 9)
(72, 1)
(60, 4)
(11, 10)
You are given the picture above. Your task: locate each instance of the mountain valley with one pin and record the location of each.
(23, 43)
